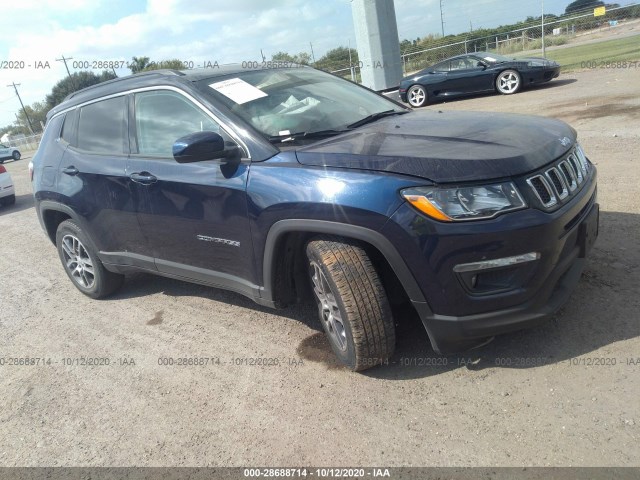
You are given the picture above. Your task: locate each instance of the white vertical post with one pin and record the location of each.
(544, 50)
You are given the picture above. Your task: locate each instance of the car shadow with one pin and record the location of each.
(544, 86)
(601, 311)
(23, 202)
(145, 284)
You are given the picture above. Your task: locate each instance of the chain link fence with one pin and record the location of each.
(524, 41)
(25, 143)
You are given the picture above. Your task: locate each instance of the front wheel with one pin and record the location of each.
(81, 263)
(508, 82)
(16, 155)
(417, 96)
(352, 303)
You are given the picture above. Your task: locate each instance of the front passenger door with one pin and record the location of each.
(194, 215)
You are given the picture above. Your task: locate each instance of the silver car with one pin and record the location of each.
(8, 152)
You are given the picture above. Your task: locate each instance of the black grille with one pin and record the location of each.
(553, 176)
(541, 189)
(561, 180)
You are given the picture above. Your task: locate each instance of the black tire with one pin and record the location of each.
(364, 335)
(103, 282)
(16, 155)
(509, 82)
(9, 200)
(417, 96)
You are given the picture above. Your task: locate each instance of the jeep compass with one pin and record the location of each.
(284, 184)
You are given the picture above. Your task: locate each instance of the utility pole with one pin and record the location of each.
(67, 67)
(264, 59)
(15, 87)
(441, 19)
(544, 50)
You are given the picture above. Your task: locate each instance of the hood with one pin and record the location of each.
(446, 146)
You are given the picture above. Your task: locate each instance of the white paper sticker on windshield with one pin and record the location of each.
(238, 90)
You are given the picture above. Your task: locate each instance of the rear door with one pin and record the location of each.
(93, 180)
(194, 215)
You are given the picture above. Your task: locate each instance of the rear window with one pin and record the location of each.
(102, 127)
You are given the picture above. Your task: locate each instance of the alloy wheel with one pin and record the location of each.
(77, 261)
(328, 307)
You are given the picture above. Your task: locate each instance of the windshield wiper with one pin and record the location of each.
(292, 137)
(376, 116)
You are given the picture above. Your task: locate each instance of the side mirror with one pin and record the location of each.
(481, 64)
(202, 146)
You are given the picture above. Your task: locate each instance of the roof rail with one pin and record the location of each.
(127, 77)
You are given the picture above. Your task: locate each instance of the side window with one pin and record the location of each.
(164, 116)
(69, 127)
(441, 67)
(458, 64)
(102, 127)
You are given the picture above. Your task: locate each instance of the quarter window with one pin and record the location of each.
(102, 126)
(164, 116)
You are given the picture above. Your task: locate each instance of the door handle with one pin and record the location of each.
(71, 170)
(144, 178)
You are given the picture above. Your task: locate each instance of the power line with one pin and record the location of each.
(15, 87)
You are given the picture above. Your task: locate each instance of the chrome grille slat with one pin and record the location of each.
(569, 176)
(558, 182)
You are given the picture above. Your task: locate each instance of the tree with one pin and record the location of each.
(77, 81)
(337, 59)
(138, 64)
(302, 58)
(37, 113)
(581, 5)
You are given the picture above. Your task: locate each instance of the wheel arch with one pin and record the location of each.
(283, 252)
(52, 214)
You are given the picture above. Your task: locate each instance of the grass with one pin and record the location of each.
(577, 57)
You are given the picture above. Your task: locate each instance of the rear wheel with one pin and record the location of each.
(81, 263)
(417, 96)
(16, 155)
(508, 82)
(352, 304)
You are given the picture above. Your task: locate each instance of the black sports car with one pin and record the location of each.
(475, 73)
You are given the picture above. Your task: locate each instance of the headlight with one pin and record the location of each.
(465, 203)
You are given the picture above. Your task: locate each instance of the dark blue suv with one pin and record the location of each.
(288, 183)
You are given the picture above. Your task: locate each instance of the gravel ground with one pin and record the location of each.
(563, 394)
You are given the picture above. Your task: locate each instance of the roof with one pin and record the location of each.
(151, 78)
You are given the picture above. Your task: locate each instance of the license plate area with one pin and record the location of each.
(588, 231)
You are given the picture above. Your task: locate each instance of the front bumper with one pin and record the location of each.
(458, 318)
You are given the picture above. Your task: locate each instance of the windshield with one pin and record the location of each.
(494, 58)
(282, 102)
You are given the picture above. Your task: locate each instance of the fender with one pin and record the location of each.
(372, 237)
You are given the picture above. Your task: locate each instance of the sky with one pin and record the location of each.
(37, 32)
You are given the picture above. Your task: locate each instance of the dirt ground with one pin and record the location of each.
(563, 394)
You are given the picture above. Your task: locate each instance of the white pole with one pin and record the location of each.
(544, 50)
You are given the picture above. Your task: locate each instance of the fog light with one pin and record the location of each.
(501, 275)
(497, 263)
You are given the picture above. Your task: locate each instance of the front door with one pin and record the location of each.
(193, 215)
